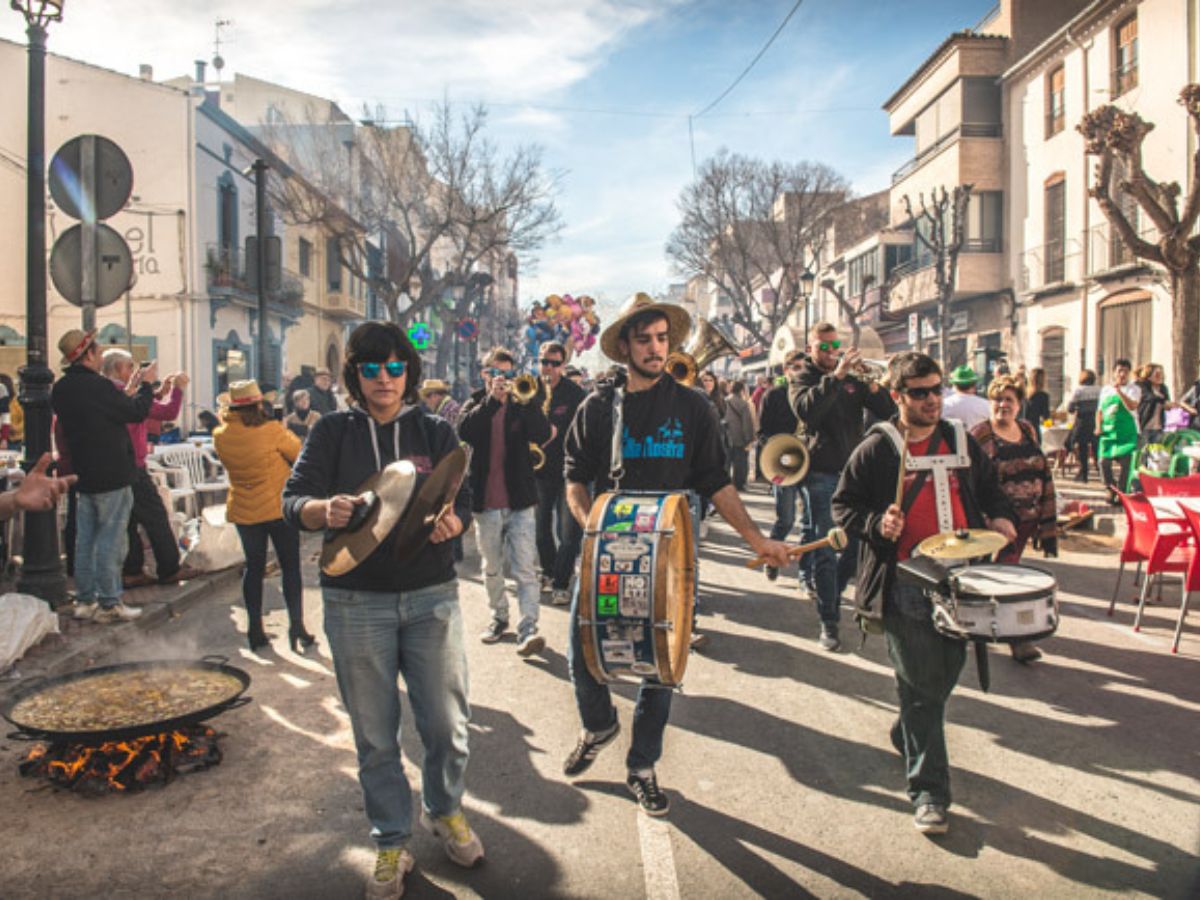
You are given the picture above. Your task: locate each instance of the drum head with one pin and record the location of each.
(1004, 583)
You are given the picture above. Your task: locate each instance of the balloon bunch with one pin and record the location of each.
(572, 321)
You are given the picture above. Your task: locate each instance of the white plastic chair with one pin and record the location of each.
(192, 461)
(175, 480)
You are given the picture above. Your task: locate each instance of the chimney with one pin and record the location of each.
(201, 65)
(146, 72)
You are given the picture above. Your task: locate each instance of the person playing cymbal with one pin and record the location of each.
(913, 477)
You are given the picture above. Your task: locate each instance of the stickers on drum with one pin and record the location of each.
(996, 602)
(637, 587)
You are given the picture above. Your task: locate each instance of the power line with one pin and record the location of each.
(753, 62)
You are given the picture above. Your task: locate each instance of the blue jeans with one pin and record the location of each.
(927, 668)
(509, 536)
(101, 541)
(376, 637)
(830, 572)
(785, 510)
(596, 709)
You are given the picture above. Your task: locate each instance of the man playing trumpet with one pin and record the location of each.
(829, 397)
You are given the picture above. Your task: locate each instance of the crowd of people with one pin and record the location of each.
(893, 458)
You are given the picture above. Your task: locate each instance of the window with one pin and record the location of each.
(1124, 328)
(1125, 70)
(1055, 108)
(985, 219)
(1055, 225)
(305, 254)
(227, 216)
(333, 265)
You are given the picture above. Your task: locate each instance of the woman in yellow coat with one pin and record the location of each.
(258, 453)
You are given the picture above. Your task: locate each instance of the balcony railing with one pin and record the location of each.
(1124, 78)
(965, 129)
(1106, 250)
(1053, 263)
(226, 275)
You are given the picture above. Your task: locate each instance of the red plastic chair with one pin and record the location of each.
(1192, 579)
(1154, 486)
(1165, 546)
(1130, 552)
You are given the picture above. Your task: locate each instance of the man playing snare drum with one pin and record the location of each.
(968, 495)
(670, 442)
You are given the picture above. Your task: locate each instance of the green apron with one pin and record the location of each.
(1118, 428)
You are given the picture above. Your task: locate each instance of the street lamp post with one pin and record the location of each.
(41, 567)
(259, 168)
(807, 280)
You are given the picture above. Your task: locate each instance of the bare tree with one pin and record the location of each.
(940, 227)
(415, 210)
(1116, 136)
(855, 308)
(753, 228)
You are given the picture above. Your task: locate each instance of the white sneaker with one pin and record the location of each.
(84, 610)
(118, 613)
(390, 868)
(561, 598)
(462, 844)
(703, 529)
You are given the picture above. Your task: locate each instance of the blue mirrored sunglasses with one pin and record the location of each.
(370, 371)
(494, 372)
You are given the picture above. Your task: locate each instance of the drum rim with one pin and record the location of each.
(968, 595)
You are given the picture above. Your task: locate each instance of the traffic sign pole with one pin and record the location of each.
(87, 184)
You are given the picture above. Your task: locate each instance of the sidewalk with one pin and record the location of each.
(79, 643)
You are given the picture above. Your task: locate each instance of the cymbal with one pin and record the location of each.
(965, 544)
(435, 496)
(389, 492)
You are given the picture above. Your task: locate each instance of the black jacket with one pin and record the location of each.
(868, 487)
(94, 412)
(526, 424)
(339, 455)
(564, 401)
(832, 411)
(777, 415)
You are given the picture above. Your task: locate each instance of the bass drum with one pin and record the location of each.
(994, 602)
(637, 587)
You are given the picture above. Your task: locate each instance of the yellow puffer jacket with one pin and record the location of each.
(258, 460)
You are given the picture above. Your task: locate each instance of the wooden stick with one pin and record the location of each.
(836, 539)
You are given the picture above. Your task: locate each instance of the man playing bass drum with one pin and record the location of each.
(670, 442)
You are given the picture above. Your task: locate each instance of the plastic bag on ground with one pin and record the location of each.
(24, 621)
(216, 544)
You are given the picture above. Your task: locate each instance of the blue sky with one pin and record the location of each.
(604, 85)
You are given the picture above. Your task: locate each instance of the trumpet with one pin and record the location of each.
(872, 371)
(524, 388)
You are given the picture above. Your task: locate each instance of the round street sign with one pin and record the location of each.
(111, 173)
(419, 334)
(468, 329)
(114, 265)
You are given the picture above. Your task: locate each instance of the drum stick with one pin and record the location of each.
(835, 539)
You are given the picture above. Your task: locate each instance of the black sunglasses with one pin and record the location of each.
(370, 370)
(920, 393)
(553, 363)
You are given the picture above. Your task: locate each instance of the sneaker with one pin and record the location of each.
(390, 868)
(530, 643)
(772, 573)
(931, 818)
(84, 610)
(118, 613)
(590, 743)
(560, 598)
(644, 786)
(547, 583)
(1025, 652)
(461, 844)
(703, 529)
(829, 638)
(493, 632)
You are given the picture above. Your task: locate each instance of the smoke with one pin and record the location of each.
(159, 647)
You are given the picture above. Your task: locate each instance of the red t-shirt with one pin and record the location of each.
(921, 521)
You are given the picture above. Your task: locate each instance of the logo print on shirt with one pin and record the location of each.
(665, 443)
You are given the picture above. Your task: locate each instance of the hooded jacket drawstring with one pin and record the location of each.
(395, 439)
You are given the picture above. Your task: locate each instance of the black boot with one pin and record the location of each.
(256, 636)
(300, 639)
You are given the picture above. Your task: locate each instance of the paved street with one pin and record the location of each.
(1075, 776)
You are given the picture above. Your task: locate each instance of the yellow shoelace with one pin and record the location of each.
(459, 828)
(387, 864)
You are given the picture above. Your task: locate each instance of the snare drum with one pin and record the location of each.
(995, 602)
(637, 587)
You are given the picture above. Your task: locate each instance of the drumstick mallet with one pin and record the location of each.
(835, 538)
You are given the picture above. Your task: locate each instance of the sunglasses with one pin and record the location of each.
(371, 370)
(826, 346)
(553, 363)
(920, 393)
(494, 372)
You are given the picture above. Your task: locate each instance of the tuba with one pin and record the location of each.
(706, 343)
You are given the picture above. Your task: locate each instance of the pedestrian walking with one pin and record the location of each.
(779, 417)
(303, 417)
(384, 621)
(963, 403)
(740, 426)
(1117, 429)
(1082, 440)
(435, 397)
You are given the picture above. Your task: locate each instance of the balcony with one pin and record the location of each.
(227, 279)
(1107, 253)
(1054, 265)
(978, 273)
(963, 130)
(340, 302)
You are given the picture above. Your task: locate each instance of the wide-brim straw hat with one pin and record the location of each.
(679, 324)
(74, 344)
(242, 394)
(433, 386)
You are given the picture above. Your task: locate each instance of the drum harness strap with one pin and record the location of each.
(939, 467)
(616, 470)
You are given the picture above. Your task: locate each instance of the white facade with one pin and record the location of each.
(1082, 301)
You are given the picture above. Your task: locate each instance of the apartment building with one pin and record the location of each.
(1083, 299)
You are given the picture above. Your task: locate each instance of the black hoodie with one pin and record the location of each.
(832, 411)
(525, 424)
(340, 454)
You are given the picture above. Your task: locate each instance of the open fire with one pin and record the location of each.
(124, 766)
